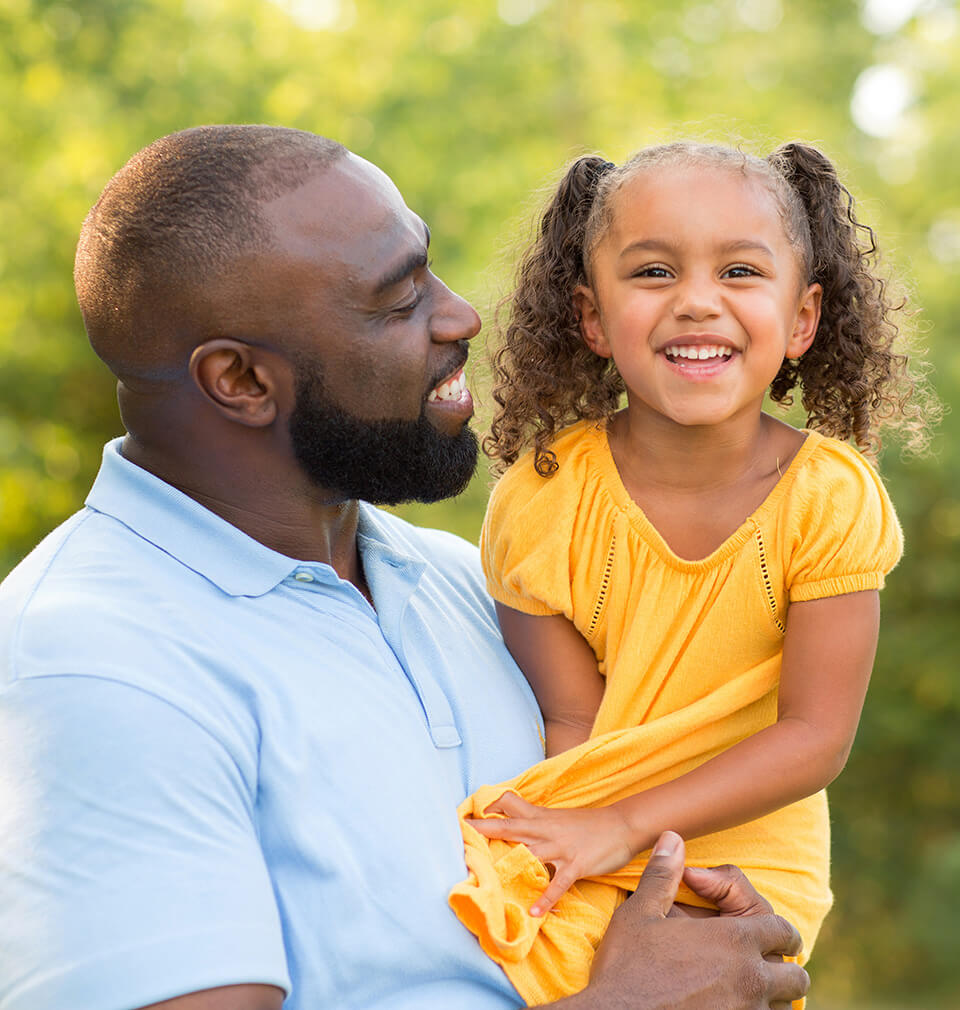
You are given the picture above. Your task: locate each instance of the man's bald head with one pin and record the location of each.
(167, 229)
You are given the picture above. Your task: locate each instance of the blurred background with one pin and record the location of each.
(473, 108)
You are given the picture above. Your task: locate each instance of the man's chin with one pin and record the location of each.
(385, 462)
(436, 477)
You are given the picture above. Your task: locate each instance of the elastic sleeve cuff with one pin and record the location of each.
(526, 606)
(837, 586)
(151, 972)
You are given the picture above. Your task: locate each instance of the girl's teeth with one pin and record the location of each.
(698, 353)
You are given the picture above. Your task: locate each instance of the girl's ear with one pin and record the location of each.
(591, 325)
(807, 321)
(240, 386)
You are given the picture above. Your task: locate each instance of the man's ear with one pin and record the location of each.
(237, 380)
(591, 325)
(807, 321)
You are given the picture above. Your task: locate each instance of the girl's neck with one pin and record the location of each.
(656, 453)
(697, 486)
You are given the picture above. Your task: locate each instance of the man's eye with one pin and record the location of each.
(408, 307)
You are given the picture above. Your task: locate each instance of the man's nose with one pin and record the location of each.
(697, 298)
(453, 317)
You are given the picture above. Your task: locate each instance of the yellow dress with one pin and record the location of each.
(691, 653)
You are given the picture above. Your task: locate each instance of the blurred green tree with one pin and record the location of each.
(473, 108)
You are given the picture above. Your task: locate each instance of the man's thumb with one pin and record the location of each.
(657, 889)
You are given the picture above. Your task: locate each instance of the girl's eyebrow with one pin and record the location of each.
(747, 245)
(665, 245)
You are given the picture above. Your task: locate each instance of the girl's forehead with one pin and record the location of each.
(681, 191)
(668, 199)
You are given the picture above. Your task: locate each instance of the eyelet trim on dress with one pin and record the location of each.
(767, 584)
(604, 588)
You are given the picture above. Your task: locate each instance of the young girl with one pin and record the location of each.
(687, 581)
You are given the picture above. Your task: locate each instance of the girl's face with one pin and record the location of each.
(697, 294)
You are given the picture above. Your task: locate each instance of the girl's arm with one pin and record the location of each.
(827, 658)
(561, 669)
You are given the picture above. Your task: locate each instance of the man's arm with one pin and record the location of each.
(227, 997)
(651, 959)
(130, 868)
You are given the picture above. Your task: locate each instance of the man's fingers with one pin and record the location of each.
(657, 889)
(773, 935)
(727, 888)
(786, 982)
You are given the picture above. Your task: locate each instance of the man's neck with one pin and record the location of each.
(280, 510)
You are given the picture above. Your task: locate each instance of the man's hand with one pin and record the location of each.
(728, 889)
(651, 960)
(573, 843)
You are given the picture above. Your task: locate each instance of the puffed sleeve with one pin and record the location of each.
(130, 866)
(844, 536)
(525, 540)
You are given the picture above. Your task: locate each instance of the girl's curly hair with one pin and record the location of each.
(853, 380)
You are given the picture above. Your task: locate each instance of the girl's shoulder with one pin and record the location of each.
(834, 472)
(533, 522)
(526, 504)
(836, 513)
(577, 452)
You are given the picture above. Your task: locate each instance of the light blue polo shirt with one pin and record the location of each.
(221, 765)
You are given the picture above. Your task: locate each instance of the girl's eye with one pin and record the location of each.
(654, 270)
(741, 270)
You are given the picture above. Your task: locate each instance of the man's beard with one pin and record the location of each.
(384, 462)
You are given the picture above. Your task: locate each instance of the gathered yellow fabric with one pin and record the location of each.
(691, 653)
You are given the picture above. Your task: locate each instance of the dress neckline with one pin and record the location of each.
(639, 521)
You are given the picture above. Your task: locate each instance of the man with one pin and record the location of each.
(240, 706)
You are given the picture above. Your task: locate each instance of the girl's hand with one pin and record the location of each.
(575, 843)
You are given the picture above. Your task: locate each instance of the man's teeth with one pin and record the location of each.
(699, 353)
(452, 389)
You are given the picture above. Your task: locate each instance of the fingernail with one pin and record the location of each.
(535, 911)
(667, 844)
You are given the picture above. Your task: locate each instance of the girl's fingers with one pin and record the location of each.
(562, 881)
(509, 805)
(498, 827)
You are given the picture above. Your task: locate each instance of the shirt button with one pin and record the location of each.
(303, 577)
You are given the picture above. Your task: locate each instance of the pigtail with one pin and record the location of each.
(853, 381)
(545, 376)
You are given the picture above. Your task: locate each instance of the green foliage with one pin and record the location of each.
(472, 108)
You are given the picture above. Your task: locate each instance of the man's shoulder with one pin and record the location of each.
(80, 598)
(41, 564)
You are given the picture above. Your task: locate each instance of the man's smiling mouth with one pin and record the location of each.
(450, 389)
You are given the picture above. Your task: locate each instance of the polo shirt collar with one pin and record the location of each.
(184, 529)
(210, 546)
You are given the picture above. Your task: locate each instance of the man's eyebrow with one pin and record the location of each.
(415, 261)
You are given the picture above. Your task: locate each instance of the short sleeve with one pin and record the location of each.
(130, 869)
(524, 542)
(844, 532)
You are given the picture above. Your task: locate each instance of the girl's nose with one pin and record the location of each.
(697, 299)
